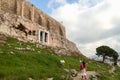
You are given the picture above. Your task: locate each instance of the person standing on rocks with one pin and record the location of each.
(83, 71)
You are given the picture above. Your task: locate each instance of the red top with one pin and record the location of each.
(83, 66)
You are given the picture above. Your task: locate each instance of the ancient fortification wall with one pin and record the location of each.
(20, 19)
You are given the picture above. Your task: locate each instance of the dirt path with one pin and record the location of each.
(90, 74)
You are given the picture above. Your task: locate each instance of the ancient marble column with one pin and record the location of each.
(39, 36)
(47, 37)
(0, 4)
(22, 9)
(32, 13)
(18, 7)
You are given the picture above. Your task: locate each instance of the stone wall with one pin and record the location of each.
(24, 21)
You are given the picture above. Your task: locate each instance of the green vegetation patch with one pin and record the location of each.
(20, 61)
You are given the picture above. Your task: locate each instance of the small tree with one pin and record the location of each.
(115, 57)
(107, 51)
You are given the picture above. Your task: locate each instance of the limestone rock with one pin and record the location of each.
(2, 38)
(22, 20)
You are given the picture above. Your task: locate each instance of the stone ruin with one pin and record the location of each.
(22, 20)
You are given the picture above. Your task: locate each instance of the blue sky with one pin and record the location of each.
(88, 23)
(41, 4)
(44, 4)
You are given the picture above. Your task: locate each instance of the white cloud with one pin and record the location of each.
(91, 23)
(90, 48)
(56, 3)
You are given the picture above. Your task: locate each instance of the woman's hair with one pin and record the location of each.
(83, 63)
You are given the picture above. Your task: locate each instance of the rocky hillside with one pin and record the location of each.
(26, 61)
(23, 21)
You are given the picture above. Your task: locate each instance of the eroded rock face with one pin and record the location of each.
(22, 20)
(2, 38)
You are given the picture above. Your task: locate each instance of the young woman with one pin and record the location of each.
(83, 70)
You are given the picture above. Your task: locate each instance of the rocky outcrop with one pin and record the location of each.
(2, 38)
(22, 20)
